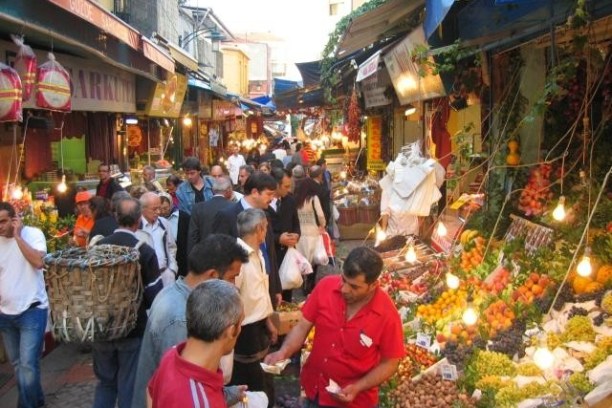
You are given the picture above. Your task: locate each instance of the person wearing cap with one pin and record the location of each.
(85, 220)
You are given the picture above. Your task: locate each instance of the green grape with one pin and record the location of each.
(493, 363)
(508, 397)
(581, 383)
(606, 303)
(595, 358)
(528, 369)
(579, 328)
(553, 340)
(492, 383)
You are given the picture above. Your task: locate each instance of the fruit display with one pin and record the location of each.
(537, 191)
(447, 307)
(499, 316)
(429, 391)
(472, 255)
(533, 288)
(497, 281)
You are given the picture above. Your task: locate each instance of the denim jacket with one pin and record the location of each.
(166, 327)
(186, 195)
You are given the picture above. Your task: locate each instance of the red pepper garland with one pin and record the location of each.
(354, 118)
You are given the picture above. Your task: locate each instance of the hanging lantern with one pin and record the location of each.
(53, 86)
(10, 95)
(25, 65)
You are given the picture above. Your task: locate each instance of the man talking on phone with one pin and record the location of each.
(23, 302)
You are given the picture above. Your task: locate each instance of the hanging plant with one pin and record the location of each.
(329, 76)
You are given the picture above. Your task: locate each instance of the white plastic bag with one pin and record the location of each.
(320, 253)
(290, 271)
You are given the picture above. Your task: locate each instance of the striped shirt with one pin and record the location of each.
(178, 383)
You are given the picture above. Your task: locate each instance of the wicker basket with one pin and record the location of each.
(348, 215)
(94, 294)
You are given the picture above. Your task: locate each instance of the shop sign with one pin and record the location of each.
(410, 84)
(223, 109)
(374, 144)
(96, 87)
(167, 98)
(374, 89)
(95, 14)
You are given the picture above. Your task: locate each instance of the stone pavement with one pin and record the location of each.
(67, 379)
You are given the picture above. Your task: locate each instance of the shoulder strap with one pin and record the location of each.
(314, 210)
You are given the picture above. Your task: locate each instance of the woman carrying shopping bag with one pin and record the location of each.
(312, 225)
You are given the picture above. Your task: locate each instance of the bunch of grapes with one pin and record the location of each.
(510, 342)
(457, 353)
(577, 311)
(565, 296)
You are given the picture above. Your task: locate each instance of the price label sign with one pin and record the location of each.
(449, 372)
(423, 340)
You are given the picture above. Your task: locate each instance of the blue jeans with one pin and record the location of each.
(115, 364)
(24, 336)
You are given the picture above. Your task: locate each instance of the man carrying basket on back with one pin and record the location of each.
(115, 361)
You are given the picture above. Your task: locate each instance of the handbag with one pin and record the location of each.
(291, 270)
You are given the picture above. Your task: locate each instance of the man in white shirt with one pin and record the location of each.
(258, 331)
(157, 232)
(23, 302)
(234, 162)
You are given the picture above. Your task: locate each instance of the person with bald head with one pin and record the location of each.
(149, 180)
(156, 231)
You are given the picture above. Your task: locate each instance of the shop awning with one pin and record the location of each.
(95, 14)
(435, 12)
(182, 57)
(383, 22)
(213, 87)
(108, 23)
(154, 53)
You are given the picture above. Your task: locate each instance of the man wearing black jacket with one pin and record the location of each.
(259, 189)
(115, 361)
(203, 213)
(283, 215)
(107, 185)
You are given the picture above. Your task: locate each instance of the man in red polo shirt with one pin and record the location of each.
(358, 340)
(189, 374)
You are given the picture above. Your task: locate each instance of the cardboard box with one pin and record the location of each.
(285, 321)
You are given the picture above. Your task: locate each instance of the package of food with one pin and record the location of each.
(10, 95)
(53, 86)
(25, 65)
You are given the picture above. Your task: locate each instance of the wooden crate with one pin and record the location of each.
(348, 216)
(285, 321)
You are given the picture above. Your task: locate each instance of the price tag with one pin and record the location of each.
(423, 340)
(449, 372)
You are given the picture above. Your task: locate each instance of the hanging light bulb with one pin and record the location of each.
(470, 315)
(411, 255)
(17, 193)
(62, 187)
(381, 235)
(452, 281)
(559, 211)
(543, 358)
(441, 230)
(584, 267)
